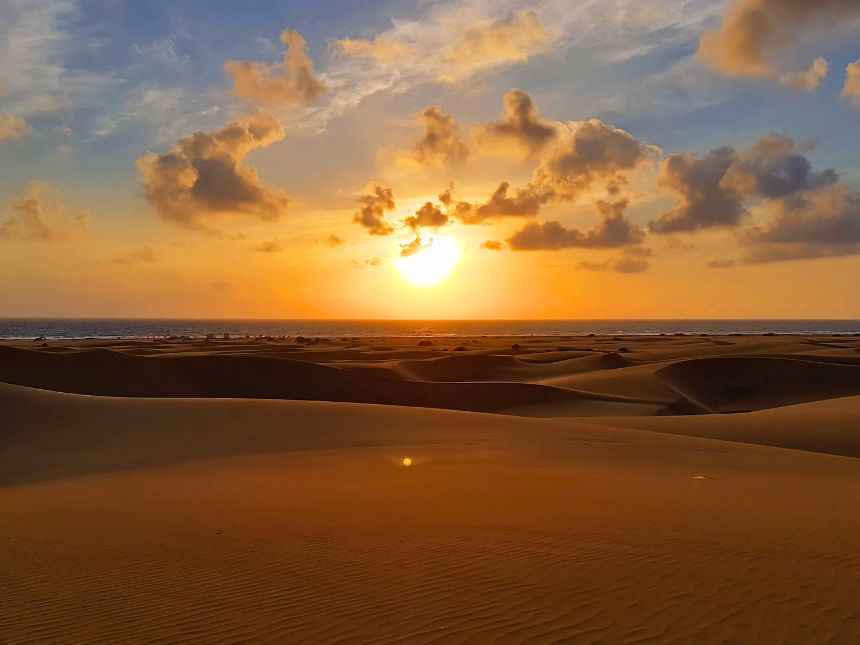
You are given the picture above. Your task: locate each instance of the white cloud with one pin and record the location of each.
(34, 48)
(621, 29)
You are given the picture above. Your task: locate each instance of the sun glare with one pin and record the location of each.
(431, 263)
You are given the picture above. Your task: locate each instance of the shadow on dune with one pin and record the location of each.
(109, 373)
(744, 384)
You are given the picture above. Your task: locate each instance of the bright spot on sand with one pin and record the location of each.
(407, 461)
(432, 263)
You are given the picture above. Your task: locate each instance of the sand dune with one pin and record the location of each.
(744, 384)
(225, 521)
(185, 491)
(830, 426)
(105, 372)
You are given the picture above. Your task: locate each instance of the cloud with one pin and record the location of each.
(413, 50)
(806, 81)
(714, 187)
(752, 31)
(39, 43)
(415, 246)
(772, 168)
(441, 143)
(203, 175)
(467, 44)
(588, 152)
(269, 247)
(583, 155)
(428, 216)
(526, 202)
(705, 202)
(141, 255)
(614, 231)
(375, 204)
(820, 223)
(12, 127)
(333, 240)
(34, 219)
(520, 126)
(491, 245)
(851, 89)
(618, 265)
(381, 48)
(292, 81)
(511, 39)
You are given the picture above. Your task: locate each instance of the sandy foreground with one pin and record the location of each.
(657, 489)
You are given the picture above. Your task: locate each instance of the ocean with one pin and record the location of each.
(17, 328)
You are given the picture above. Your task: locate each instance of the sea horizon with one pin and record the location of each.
(16, 328)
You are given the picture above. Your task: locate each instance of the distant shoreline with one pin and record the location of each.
(130, 328)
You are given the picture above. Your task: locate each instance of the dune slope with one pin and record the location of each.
(193, 520)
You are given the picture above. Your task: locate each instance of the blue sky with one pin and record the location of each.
(115, 52)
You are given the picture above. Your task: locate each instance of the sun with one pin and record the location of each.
(429, 260)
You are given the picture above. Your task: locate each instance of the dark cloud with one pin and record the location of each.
(715, 186)
(821, 223)
(428, 216)
(614, 231)
(705, 202)
(520, 126)
(526, 202)
(203, 174)
(143, 255)
(772, 168)
(333, 240)
(491, 245)
(441, 143)
(587, 153)
(374, 205)
(292, 81)
(754, 30)
(35, 219)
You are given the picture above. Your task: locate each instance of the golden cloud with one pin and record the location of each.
(292, 81)
(35, 219)
(752, 30)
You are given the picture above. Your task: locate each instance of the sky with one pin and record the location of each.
(429, 159)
